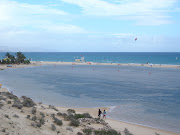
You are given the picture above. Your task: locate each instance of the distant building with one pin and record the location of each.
(80, 60)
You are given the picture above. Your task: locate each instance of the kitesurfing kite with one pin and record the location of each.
(135, 39)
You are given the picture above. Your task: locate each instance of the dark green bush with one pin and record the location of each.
(9, 102)
(34, 118)
(64, 115)
(59, 114)
(28, 116)
(79, 133)
(69, 117)
(74, 123)
(58, 121)
(33, 111)
(71, 111)
(42, 114)
(84, 115)
(26, 62)
(53, 127)
(77, 116)
(42, 121)
(87, 131)
(106, 132)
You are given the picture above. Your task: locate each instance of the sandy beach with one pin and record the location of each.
(113, 64)
(41, 63)
(20, 124)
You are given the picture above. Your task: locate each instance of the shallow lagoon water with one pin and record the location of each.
(141, 95)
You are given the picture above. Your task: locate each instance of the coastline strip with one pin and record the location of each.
(41, 63)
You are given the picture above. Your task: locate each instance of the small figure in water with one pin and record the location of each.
(104, 114)
(99, 113)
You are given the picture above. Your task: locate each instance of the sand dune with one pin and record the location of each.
(14, 121)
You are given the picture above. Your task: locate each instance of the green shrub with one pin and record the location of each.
(87, 131)
(15, 116)
(28, 116)
(58, 121)
(42, 114)
(71, 111)
(74, 123)
(26, 62)
(98, 120)
(53, 127)
(77, 116)
(9, 102)
(79, 133)
(34, 118)
(62, 114)
(33, 111)
(84, 115)
(52, 115)
(38, 125)
(106, 132)
(42, 121)
(100, 132)
(68, 117)
(59, 114)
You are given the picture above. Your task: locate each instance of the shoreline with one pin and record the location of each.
(113, 64)
(41, 63)
(82, 110)
(134, 128)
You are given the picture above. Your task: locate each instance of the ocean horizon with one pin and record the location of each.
(170, 58)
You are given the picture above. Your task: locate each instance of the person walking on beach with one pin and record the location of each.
(99, 113)
(104, 114)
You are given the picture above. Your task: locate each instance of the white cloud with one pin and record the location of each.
(12, 9)
(16, 17)
(62, 28)
(143, 11)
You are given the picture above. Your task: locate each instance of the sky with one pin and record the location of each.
(90, 25)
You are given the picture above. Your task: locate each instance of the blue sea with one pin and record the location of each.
(106, 57)
(142, 95)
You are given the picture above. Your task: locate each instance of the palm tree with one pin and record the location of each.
(8, 55)
(20, 57)
(13, 59)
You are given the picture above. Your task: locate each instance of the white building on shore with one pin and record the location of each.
(80, 60)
